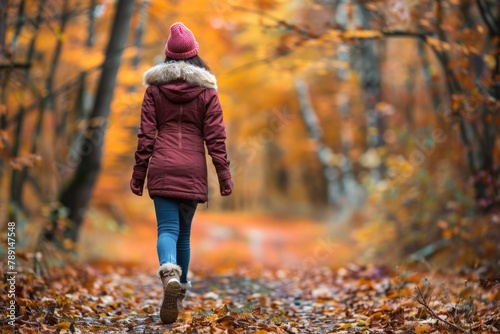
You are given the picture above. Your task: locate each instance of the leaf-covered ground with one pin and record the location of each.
(351, 299)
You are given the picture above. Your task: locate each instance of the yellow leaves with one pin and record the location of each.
(127, 293)
(426, 23)
(25, 161)
(466, 292)
(221, 311)
(318, 7)
(266, 4)
(68, 244)
(96, 122)
(148, 310)
(81, 58)
(370, 159)
(361, 34)
(423, 329)
(60, 35)
(457, 102)
(336, 36)
(385, 108)
(4, 137)
(64, 325)
(438, 44)
(376, 316)
(490, 61)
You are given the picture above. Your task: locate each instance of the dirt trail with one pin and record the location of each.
(349, 299)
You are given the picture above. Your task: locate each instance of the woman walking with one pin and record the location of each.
(180, 114)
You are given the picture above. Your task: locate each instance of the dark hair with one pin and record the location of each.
(196, 61)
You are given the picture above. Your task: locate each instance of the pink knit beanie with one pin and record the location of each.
(181, 43)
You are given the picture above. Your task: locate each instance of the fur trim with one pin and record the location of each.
(186, 285)
(167, 267)
(167, 72)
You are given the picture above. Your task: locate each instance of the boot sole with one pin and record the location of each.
(168, 310)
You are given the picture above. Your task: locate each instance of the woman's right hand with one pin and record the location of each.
(226, 187)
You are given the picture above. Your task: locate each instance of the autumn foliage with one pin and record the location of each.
(358, 132)
(349, 299)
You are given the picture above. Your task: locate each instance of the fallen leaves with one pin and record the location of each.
(353, 299)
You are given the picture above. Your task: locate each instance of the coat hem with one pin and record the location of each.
(177, 194)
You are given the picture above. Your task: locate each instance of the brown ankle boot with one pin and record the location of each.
(169, 274)
(184, 288)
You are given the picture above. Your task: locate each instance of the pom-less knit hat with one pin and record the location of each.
(181, 43)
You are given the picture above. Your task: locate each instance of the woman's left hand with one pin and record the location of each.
(136, 186)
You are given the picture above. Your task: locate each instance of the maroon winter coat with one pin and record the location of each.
(180, 114)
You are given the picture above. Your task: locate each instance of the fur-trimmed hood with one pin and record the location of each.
(167, 72)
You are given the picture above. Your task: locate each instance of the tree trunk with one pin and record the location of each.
(352, 190)
(16, 176)
(139, 34)
(487, 178)
(368, 67)
(76, 196)
(91, 25)
(46, 101)
(332, 175)
(3, 81)
(432, 84)
(3, 24)
(410, 102)
(478, 137)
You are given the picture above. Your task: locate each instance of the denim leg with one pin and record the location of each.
(167, 218)
(186, 213)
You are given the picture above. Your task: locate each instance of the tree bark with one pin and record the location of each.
(352, 190)
(487, 179)
(139, 34)
(324, 153)
(3, 81)
(410, 102)
(368, 67)
(432, 85)
(3, 24)
(76, 196)
(479, 136)
(45, 102)
(90, 28)
(15, 181)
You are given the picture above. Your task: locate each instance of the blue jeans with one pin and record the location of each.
(174, 217)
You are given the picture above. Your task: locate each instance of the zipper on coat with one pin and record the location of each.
(180, 128)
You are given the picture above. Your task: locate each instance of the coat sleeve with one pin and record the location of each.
(146, 135)
(214, 135)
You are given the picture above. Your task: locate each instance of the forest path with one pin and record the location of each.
(350, 299)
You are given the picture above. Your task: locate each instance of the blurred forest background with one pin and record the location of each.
(357, 130)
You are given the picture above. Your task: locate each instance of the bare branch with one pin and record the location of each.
(396, 33)
(15, 65)
(429, 250)
(261, 13)
(420, 298)
(403, 33)
(253, 63)
(488, 18)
